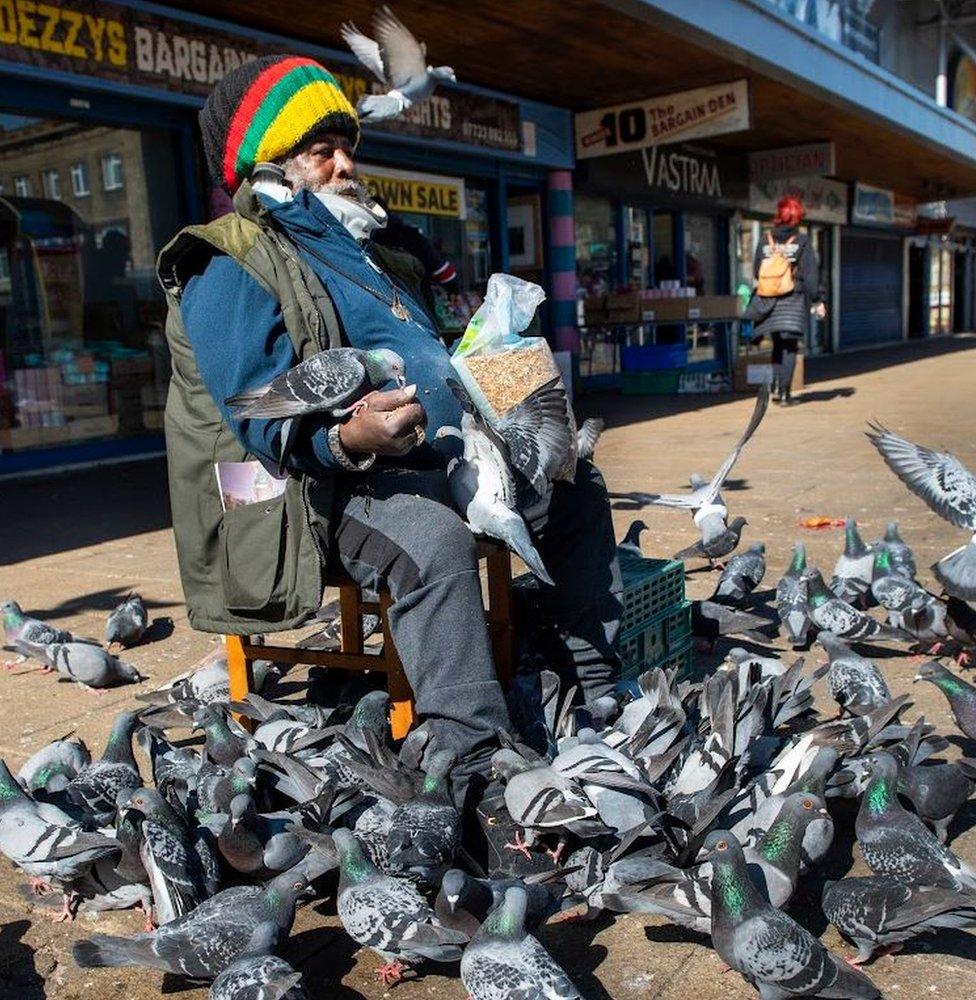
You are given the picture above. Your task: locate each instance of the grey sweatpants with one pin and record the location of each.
(399, 529)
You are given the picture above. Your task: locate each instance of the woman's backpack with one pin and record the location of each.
(775, 276)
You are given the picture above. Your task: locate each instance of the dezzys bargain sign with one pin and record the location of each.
(119, 43)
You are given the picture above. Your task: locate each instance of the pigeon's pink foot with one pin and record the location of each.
(520, 845)
(64, 913)
(719, 567)
(855, 962)
(40, 887)
(150, 925)
(964, 659)
(391, 973)
(47, 669)
(557, 853)
(97, 692)
(937, 648)
(893, 950)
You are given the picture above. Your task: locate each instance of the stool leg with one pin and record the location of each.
(241, 676)
(351, 620)
(403, 713)
(500, 614)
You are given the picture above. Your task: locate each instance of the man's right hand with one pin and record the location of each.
(385, 425)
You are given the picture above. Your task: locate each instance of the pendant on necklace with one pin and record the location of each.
(399, 310)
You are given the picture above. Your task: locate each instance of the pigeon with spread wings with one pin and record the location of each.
(398, 61)
(949, 488)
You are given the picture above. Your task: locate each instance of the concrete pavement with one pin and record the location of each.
(73, 544)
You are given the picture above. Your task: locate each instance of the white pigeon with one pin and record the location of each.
(398, 61)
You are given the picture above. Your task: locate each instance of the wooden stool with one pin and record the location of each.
(352, 655)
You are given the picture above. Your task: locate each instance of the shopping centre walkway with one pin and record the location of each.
(72, 545)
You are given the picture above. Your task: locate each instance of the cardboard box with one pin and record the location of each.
(91, 427)
(714, 307)
(755, 367)
(665, 310)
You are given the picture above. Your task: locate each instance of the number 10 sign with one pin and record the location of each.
(690, 114)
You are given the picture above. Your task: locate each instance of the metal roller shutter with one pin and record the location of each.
(870, 288)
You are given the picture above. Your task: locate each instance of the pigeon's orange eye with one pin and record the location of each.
(299, 885)
(721, 845)
(807, 804)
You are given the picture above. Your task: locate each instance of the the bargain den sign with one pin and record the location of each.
(658, 121)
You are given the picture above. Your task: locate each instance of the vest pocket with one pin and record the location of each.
(251, 554)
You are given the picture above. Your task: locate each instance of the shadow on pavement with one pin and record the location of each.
(19, 979)
(105, 600)
(832, 366)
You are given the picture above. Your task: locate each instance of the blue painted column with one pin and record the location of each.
(562, 256)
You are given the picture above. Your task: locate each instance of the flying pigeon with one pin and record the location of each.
(770, 949)
(90, 666)
(853, 681)
(30, 637)
(398, 61)
(257, 974)
(880, 912)
(98, 785)
(949, 488)
(902, 559)
(505, 962)
(587, 437)
(205, 941)
(530, 438)
(831, 614)
(706, 506)
(388, 914)
(742, 574)
(961, 696)
(852, 574)
(896, 842)
(127, 624)
(791, 599)
(332, 381)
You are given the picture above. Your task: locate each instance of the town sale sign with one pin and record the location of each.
(657, 121)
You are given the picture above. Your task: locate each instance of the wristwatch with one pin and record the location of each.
(342, 456)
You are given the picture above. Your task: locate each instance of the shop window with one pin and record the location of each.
(51, 184)
(663, 248)
(701, 254)
(596, 241)
(638, 252)
(83, 354)
(79, 180)
(112, 172)
(22, 186)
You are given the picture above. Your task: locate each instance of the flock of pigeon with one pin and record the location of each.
(702, 802)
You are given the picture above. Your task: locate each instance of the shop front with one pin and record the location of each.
(100, 165)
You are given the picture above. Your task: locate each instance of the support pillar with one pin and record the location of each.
(562, 256)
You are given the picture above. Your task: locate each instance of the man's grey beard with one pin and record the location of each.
(299, 174)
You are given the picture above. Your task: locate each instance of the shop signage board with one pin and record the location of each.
(824, 200)
(906, 211)
(813, 159)
(689, 114)
(873, 206)
(126, 45)
(410, 191)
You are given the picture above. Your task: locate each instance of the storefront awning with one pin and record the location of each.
(589, 54)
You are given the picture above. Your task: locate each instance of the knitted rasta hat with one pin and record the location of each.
(263, 109)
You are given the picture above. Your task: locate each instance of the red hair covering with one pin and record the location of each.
(789, 211)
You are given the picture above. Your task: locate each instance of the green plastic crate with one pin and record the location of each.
(662, 383)
(651, 588)
(655, 640)
(679, 661)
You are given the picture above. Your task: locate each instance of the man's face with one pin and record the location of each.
(325, 164)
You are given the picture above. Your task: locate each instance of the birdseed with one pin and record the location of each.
(506, 378)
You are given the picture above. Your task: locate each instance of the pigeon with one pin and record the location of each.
(880, 912)
(463, 902)
(529, 438)
(896, 842)
(961, 696)
(854, 682)
(937, 792)
(101, 888)
(831, 614)
(791, 599)
(399, 62)
(53, 766)
(630, 547)
(710, 621)
(902, 559)
(205, 941)
(223, 745)
(98, 785)
(587, 437)
(909, 605)
(217, 787)
(949, 488)
(332, 381)
(851, 581)
(388, 914)
(30, 637)
(505, 962)
(168, 854)
(256, 974)
(707, 508)
(257, 844)
(742, 574)
(768, 948)
(44, 841)
(127, 624)
(90, 666)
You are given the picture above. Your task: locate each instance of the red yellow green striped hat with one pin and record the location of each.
(263, 109)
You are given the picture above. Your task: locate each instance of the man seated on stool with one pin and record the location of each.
(387, 517)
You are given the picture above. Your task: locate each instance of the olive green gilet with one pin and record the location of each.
(260, 567)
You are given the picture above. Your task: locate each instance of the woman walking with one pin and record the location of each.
(787, 289)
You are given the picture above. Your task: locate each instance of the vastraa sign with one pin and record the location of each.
(682, 173)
